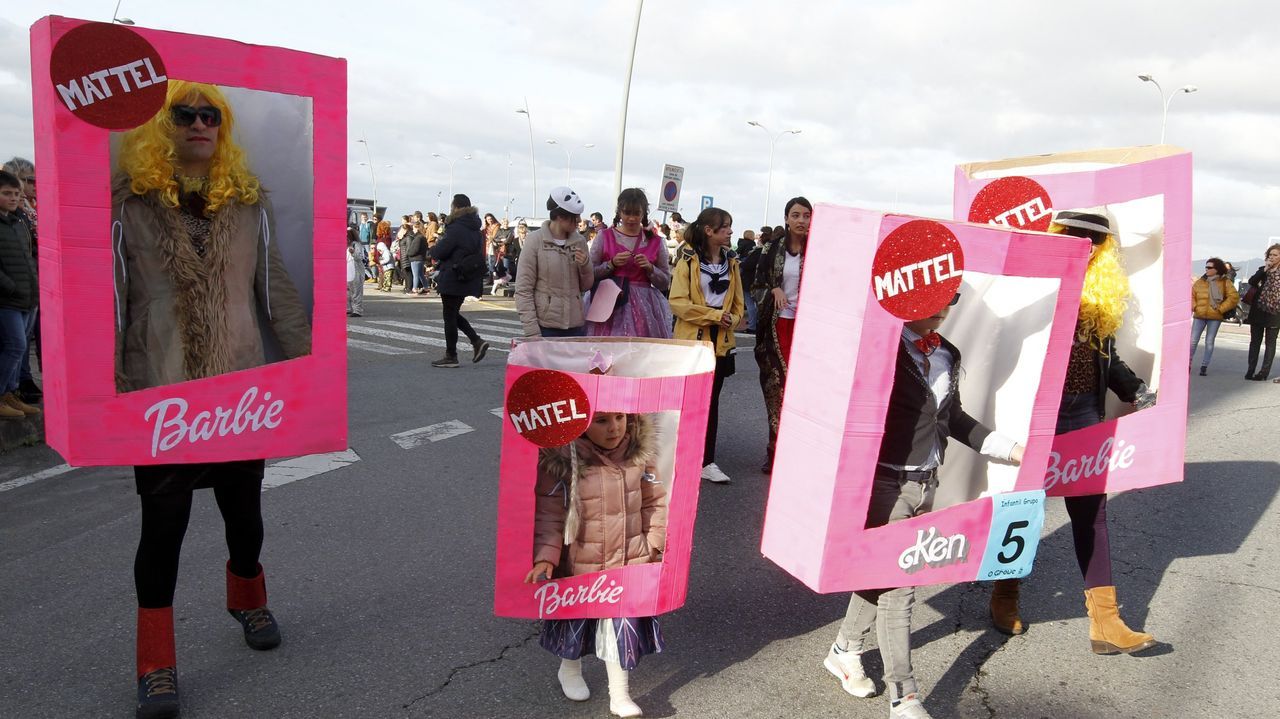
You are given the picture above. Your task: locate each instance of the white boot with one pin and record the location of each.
(570, 676)
(619, 691)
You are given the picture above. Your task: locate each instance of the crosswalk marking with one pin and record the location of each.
(380, 348)
(496, 412)
(440, 330)
(388, 334)
(291, 470)
(431, 433)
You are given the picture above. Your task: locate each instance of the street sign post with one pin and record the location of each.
(672, 176)
(708, 201)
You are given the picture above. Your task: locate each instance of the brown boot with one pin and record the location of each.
(12, 400)
(7, 412)
(1107, 631)
(1004, 606)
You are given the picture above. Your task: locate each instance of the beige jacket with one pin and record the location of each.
(549, 285)
(180, 316)
(609, 515)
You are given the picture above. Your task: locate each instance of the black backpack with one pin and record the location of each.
(470, 267)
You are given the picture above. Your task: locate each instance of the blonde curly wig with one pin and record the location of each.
(150, 160)
(1105, 295)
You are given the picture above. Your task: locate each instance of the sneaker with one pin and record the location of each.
(712, 473)
(260, 628)
(446, 361)
(158, 694)
(847, 667)
(478, 350)
(1204, 371)
(909, 708)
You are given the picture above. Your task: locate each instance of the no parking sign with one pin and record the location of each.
(672, 176)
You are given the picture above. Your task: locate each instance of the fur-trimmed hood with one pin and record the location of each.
(641, 449)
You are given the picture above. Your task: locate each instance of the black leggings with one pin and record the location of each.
(1093, 543)
(164, 523)
(724, 368)
(454, 321)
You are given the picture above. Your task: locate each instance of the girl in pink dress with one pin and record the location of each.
(633, 255)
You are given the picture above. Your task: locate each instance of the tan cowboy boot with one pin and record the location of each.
(1108, 633)
(1004, 606)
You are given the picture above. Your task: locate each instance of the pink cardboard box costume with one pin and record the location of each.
(1147, 190)
(278, 409)
(1019, 296)
(644, 376)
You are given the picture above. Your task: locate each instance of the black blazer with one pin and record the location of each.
(915, 421)
(1115, 375)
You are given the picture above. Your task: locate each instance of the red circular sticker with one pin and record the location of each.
(548, 408)
(1019, 203)
(108, 76)
(917, 270)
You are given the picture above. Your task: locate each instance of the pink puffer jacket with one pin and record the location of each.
(620, 515)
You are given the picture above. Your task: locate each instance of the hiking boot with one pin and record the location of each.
(158, 694)
(12, 400)
(261, 631)
(446, 361)
(478, 350)
(7, 412)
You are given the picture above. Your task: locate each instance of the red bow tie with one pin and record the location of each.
(929, 343)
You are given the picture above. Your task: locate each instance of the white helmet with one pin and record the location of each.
(567, 200)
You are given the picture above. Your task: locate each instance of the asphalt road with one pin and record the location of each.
(380, 572)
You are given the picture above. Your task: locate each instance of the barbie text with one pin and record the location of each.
(551, 599)
(172, 426)
(1114, 454)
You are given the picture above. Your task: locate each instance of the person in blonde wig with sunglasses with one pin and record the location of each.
(196, 263)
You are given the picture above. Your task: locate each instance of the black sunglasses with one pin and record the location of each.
(1094, 236)
(185, 115)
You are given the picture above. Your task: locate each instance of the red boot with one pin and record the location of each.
(247, 602)
(157, 665)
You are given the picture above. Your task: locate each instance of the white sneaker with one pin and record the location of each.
(712, 473)
(909, 708)
(847, 667)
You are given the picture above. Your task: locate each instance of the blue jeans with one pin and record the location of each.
(418, 281)
(13, 346)
(752, 311)
(24, 371)
(580, 331)
(1198, 326)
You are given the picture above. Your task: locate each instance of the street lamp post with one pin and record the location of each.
(626, 97)
(773, 143)
(533, 161)
(568, 159)
(115, 16)
(373, 176)
(1164, 103)
(506, 196)
(451, 163)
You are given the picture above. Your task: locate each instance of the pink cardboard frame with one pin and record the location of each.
(633, 591)
(301, 404)
(1148, 447)
(833, 419)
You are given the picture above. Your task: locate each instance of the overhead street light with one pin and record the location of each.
(773, 143)
(533, 161)
(568, 157)
(115, 16)
(1164, 103)
(451, 164)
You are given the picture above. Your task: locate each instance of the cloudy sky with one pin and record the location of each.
(889, 96)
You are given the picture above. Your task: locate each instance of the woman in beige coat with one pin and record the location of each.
(600, 506)
(554, 272)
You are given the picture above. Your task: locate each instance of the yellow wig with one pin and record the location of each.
(150, 160)
(1105, 295)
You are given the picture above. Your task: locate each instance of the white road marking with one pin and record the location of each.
(486, 318)
(504, 331)
(36, 477)
(414, 338)
(380, 348)
(291, 470)
(430, 433)
(496, 412)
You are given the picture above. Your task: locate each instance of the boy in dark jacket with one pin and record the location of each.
(19, 291)
(462, 267)
(924, 410)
